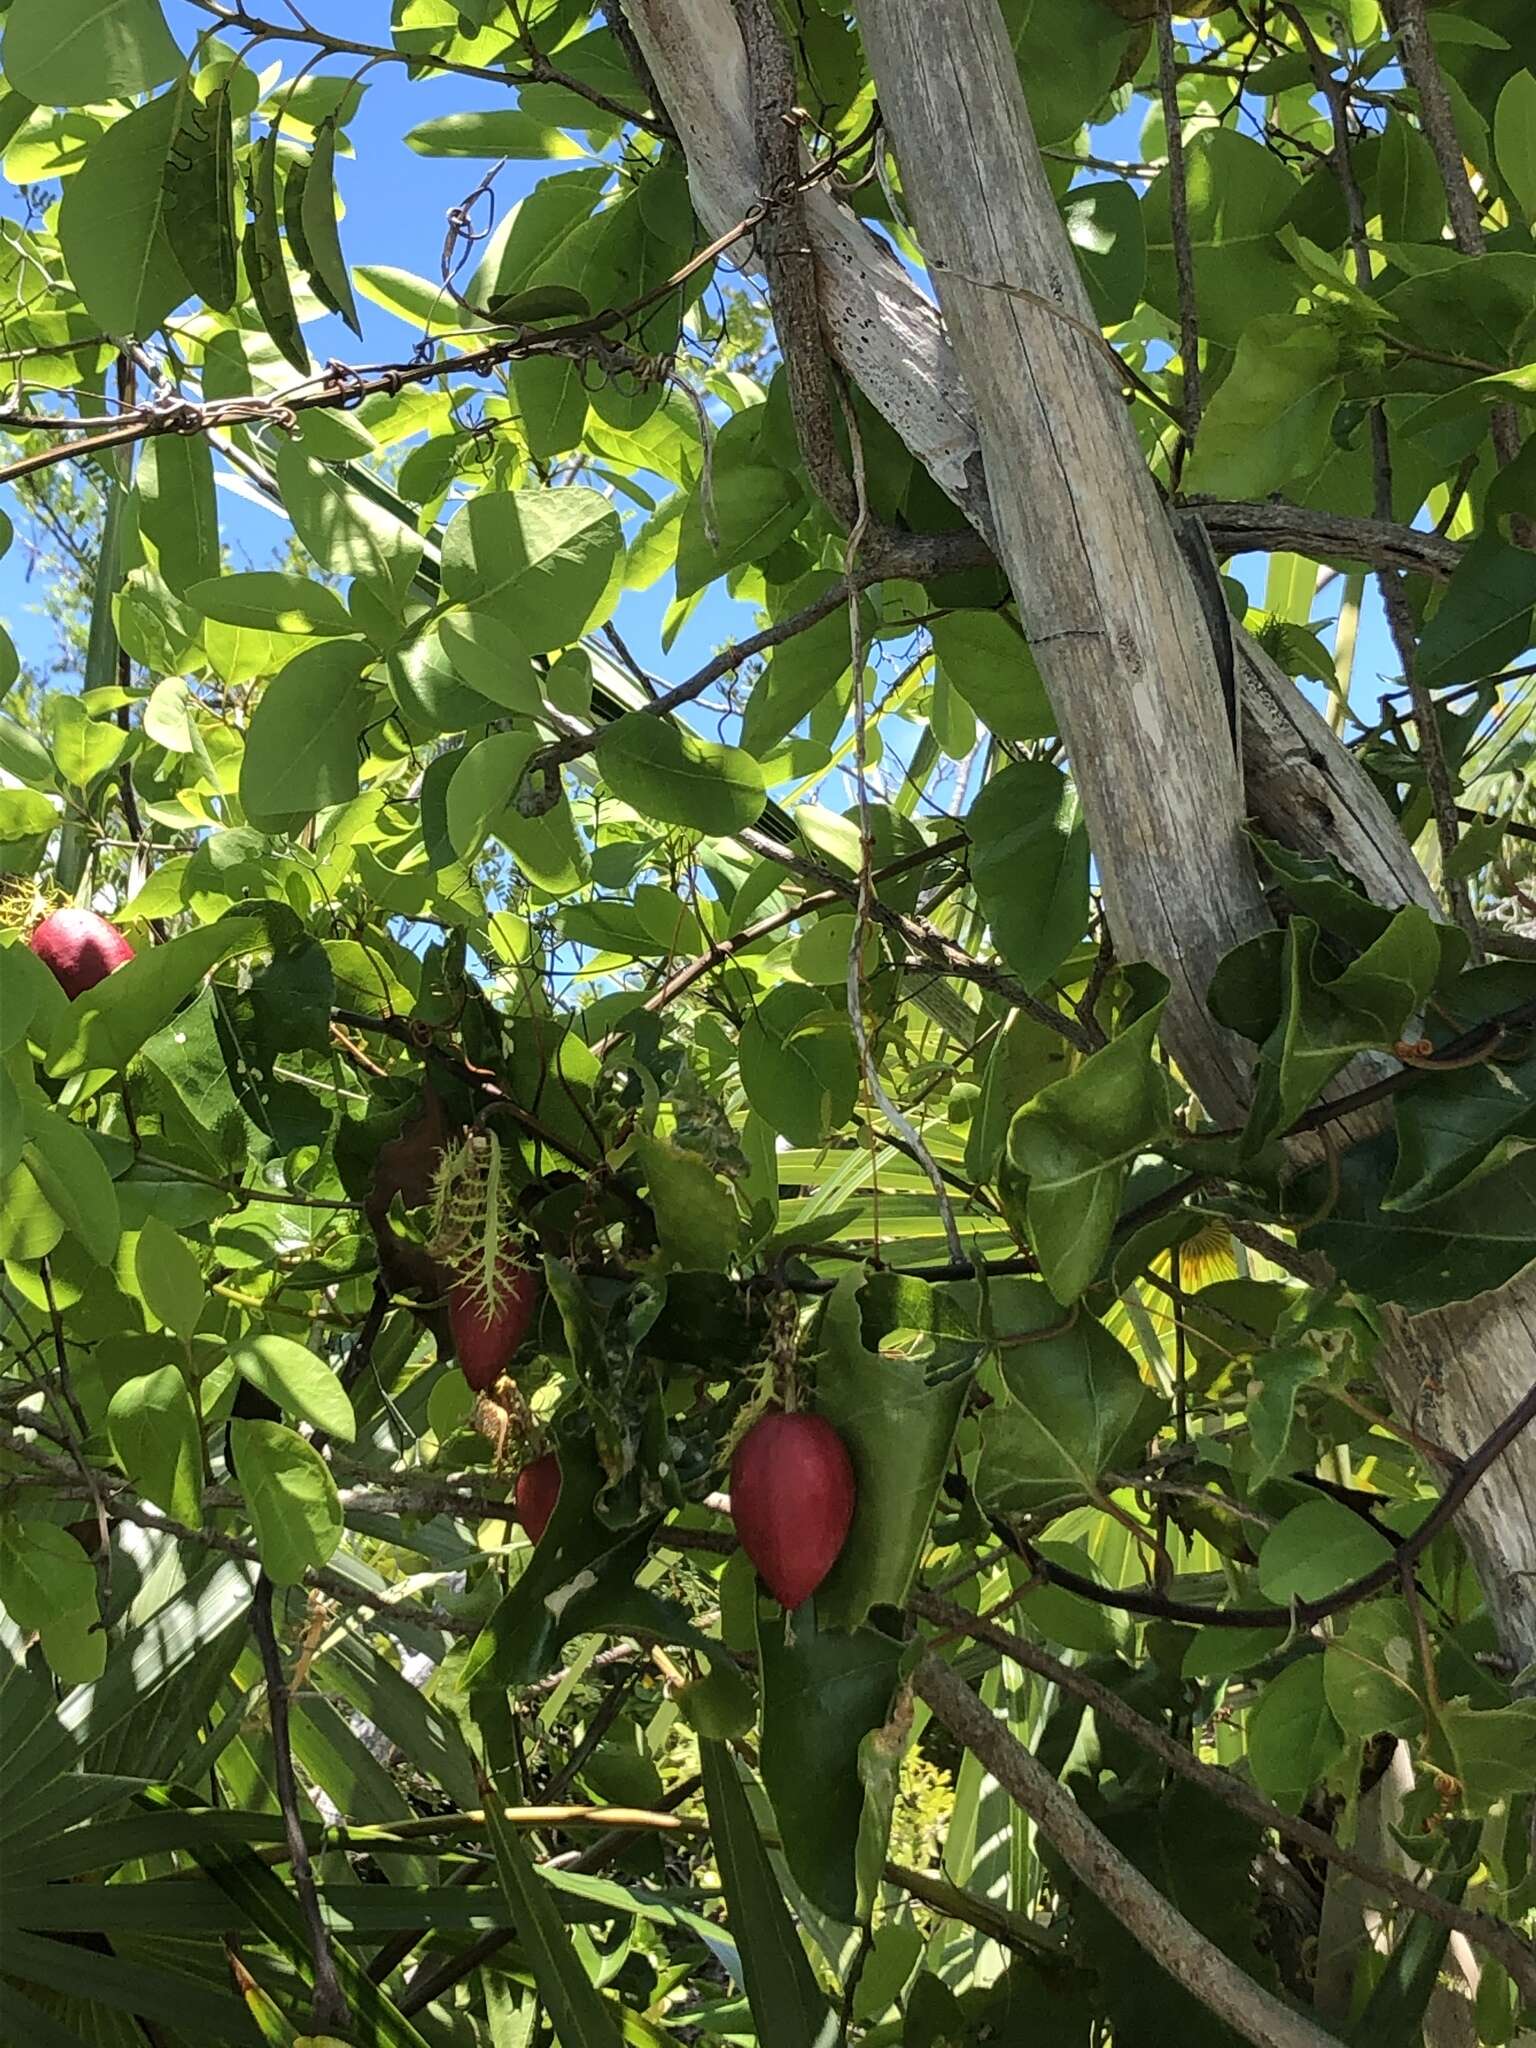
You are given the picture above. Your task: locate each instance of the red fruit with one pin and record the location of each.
(485, 1344)
(792, 1496)
(80, 948)
(536, 1493)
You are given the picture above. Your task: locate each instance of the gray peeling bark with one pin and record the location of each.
(1101, 585)
(1455, 1374)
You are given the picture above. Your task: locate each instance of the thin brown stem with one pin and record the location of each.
(330, 2013)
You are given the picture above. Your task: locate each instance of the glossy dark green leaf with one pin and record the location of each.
(824, 1690)
(1078, 1406)
(1293, 1739)
(202, 196)
(786, 2005)
(1454, 1249)
(1454, 1127)
(1484, 618)
(881, 1341)
(266, 263)
(1029, 862)
(1073, 1146)
(1104, 225)
(318, 215)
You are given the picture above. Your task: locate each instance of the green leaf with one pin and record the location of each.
(492, 661)
(799, 675)
(344, 528)
(31, 1001)
(823, 1690)
(697, 1226)
(318, 215)
(1277, 1378)
(1239, 195)
(532, 246)
(1078, 1407)
(105, 1027)
(44, 1574)
(1454, 1127)
(546, 563)
(69, 1170)
(271, 601)
(1484, 618)
(754, 506)
(667, 774)
(1514, 139)
(70, 53)
(113, 220)
(490, 132)
(577, 2011)
(1326, 1020)
(1468, 1243)
(988, 661)
(153, 1428)
(1293, 1739)
(879, 1341)
(1371, 1673)
(482, 803)
(1074, 1144)
(295, 1513)
(301, 750)
(266, 264)
(170, 1280)
(1492, 1750)
(301, 1384)
(786, 2005)
(1029, 862)
(178, 513)
(84, 748)
(798, 1064)
(1409, 188)
(1270, 419)
(200, 194)
(1104, 225)
(1316, 1549)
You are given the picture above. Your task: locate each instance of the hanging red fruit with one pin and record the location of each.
(80, 948)
(486, 1334)
(536, 1494)
(792, 1498)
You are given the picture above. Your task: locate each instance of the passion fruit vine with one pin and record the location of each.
(792, 1500)
(80, 949)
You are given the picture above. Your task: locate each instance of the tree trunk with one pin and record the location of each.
(1022, 426)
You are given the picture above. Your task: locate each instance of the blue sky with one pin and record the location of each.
(395, 207)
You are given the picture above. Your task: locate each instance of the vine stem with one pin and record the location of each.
(330, 2012)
